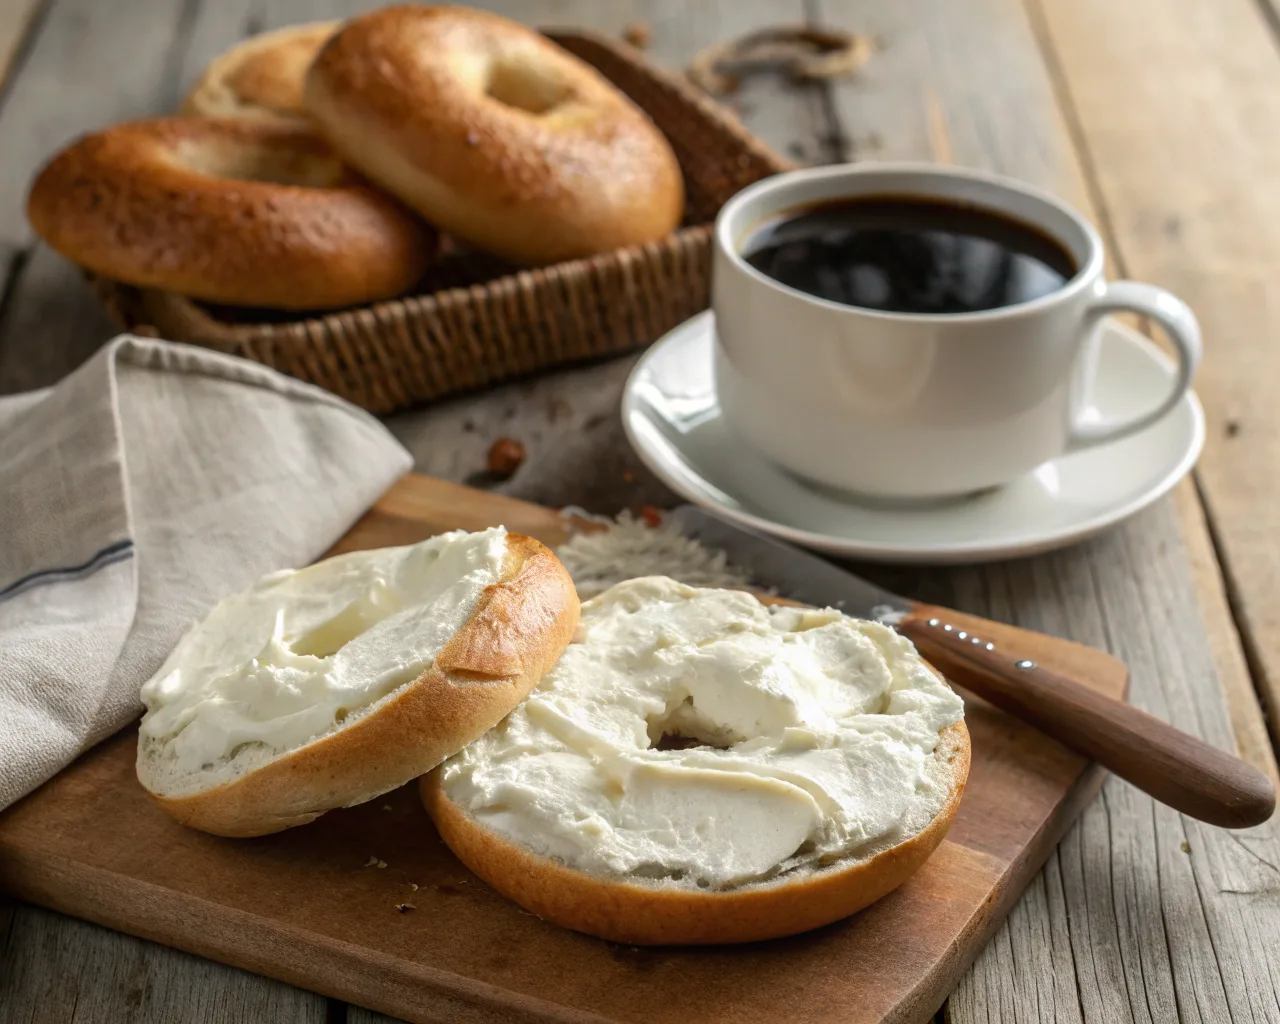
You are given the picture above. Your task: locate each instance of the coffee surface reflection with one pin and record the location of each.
(903, 254)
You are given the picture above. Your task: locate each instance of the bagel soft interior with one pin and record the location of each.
(328, 686)
(699, 768)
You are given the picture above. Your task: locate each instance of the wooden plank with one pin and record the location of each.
(58, 971)
(17, 17)
(50, 324)
(1092, 938)
(90, 64)
(1249, 727)
(1208, 135)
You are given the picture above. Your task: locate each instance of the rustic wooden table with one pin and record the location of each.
(1161, 119)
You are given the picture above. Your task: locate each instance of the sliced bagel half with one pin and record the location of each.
(700, 769)
(329, 686)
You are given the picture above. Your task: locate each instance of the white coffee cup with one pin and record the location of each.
(920, 406)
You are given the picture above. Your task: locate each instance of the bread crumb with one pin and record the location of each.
(638, 35)
(386, 807)
(413, 886)
(506, 455)
(1186, 847)
(372, 862)
(404, 908)
(382, 863)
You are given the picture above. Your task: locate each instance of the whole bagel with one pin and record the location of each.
(261, 78)
(228, 211)
(494, 133)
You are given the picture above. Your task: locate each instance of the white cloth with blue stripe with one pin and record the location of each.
(134, 494)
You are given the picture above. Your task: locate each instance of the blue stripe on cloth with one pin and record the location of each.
(109, 555)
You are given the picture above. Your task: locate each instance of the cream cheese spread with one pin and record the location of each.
(300, 652)
(700, 737)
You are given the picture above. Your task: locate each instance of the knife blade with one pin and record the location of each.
(790, 571)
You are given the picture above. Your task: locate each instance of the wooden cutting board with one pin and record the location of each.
(306, 906)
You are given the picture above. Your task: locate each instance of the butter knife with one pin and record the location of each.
(1001, 665)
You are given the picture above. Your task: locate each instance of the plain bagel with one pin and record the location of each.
(229, 211)
(494, 133)
(262, 77)
(698, 768)
(329, 686)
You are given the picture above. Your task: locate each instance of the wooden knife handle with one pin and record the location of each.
(1174, 767)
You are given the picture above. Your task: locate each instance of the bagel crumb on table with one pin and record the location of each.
(239, 212)
(699, 768)
(494, 133)
(261, 78)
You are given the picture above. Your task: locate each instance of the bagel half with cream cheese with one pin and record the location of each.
(331, 685)
(700, 768)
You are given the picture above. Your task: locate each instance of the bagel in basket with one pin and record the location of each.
(231, 211)
(700, 768)
(261, 78)
(494, 133)
(328, 686)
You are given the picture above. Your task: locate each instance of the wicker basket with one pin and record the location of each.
(476, 323)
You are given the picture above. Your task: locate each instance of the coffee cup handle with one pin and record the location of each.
(1171, 313)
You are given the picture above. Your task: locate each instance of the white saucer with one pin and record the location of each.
(670, 414)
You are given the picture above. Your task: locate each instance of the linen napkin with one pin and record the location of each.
(150, 483)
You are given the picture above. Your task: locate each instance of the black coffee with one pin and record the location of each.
(908, 255)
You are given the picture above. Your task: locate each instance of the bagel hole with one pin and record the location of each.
(683, 728)
(281, 164)
(514, 81)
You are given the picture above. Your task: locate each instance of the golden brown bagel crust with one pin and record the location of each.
(654, 915)
(407, 94)
(519, 629)
(261, 78)
(170, 204)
